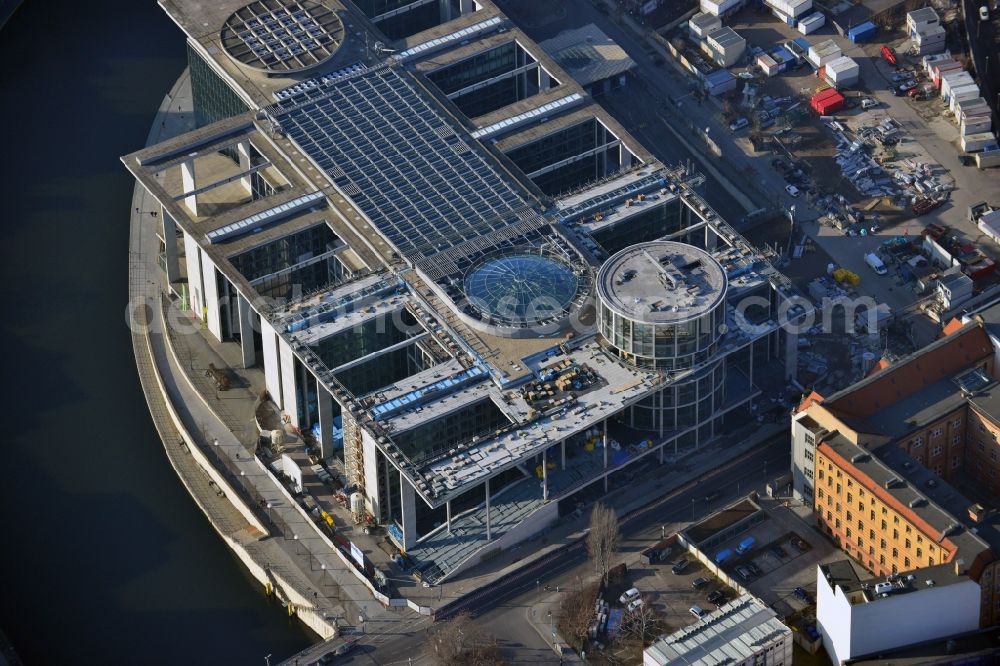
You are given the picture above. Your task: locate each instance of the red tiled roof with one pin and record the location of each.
(808, 400)
(952, 326)
(940, 360)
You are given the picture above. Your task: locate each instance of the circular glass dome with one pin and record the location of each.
(521, 288)
(282, 36)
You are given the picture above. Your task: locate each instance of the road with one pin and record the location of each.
(502, 611)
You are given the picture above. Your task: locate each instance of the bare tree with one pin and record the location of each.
(645, 623)
(578, 611)
(459, 641)
(603, 538)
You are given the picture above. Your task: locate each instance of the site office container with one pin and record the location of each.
(827, 102)
(976, 142)
(863, 32)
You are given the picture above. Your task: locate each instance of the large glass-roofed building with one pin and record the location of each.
(477, 315)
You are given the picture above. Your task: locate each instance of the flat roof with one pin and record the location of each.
(662, 282)
(588, 54)
(733, 633)
(721, 520)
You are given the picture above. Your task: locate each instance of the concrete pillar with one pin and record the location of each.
(444, 8)
(545, 474)
(211, 286)
(188, 182)
(246, 316)
(243, 150)
(544, 80)
(562, 453)
(289, 405)
(408, 502)
(489, 532)
(604, 437)
(447, 513)
(305, 377)
(791, 354)
(272, 362)
(466, 6)
(196, 290)
(171, 260)
(324, 405)
(625, 158)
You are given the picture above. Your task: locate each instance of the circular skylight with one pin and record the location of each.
(521, 288)
(282, 35)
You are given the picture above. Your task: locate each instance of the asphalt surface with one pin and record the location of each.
(985, 49)
(501, 609)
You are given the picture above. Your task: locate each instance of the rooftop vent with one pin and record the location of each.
(960, 567)
(917, 501)
(891, 483)
(977, 512)
(860, 457)
(929, 583)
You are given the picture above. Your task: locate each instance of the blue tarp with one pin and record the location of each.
(614, 622)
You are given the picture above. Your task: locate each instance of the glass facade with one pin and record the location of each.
(569, 142)
(437, 436)
(646, 226)
(363, 339)
(482, 67)
(302, 261)
(409, 22)
(663, 346)
(681, 405)
(214, 100)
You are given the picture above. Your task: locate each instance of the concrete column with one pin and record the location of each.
(246, 315)
(305, 377)
(626, 158)
(189, 184)
(466, 6)
(211, 296)
(324, 405)
(489, 532)
(562, 453)
(196, 291)
(604, 437)
(243, 150)
(272, 362)
(447, 513)
(791, 354)
(544, 80)
(408, 501)
(289, 405)
(444, 8)
(170, 247)
(545, 474)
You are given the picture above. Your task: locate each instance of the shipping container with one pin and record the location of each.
(812, 23)
(827, 102)
(842, 72)
(823, 52)
(976, 142)
(862, 33)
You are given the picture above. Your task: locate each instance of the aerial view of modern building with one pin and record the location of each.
(482, 296)
(889, 465)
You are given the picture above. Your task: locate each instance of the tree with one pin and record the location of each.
(459, 641)
(645, 623)
(578, 612)
(602, 539)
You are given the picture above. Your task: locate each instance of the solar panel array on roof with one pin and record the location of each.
(400, 161)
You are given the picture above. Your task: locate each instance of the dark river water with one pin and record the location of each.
(105, 558)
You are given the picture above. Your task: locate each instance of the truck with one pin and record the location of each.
(875, 263)
(745, 545)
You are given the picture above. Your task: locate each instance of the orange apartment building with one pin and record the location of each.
(879, 463)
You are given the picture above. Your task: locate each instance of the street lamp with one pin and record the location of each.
(267, 660)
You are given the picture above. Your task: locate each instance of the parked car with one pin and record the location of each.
(792, 190)
(346, 647)
(869, 103)
(634, 606)
(699, 582)
(716, 597)
(754, 569)
(801, 594)
(630, 595)
(679, 567)
(778, 551)
(697, 611)
(744, 573)
(738, 124)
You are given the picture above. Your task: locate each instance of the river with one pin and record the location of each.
(105, 558)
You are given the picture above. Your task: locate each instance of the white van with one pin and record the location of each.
(875, 263)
